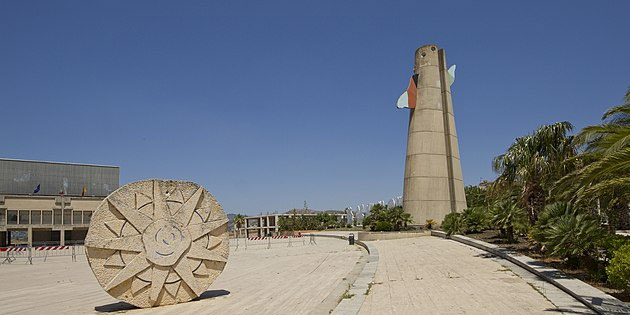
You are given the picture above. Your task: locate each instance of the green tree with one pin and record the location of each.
(475, 219)
(575, 237)
(476, 196)
(533, 163)
(382, 218)
(506, 216)
(548, 217)
(398, 218)
(452, 223)
(618, 270)
(602, 177)
(239, 222)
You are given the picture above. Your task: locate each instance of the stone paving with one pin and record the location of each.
(423, 275)
(428, 275)
(280, 280)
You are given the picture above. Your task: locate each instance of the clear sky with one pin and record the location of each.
(270, 103)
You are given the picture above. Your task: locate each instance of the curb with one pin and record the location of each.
(361, 285)
(359, 288)
(593, 298)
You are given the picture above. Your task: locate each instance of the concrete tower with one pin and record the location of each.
(434, 183)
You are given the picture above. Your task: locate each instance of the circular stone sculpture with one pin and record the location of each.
(157, 242)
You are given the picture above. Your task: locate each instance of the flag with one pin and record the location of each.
(451, 75)
(83, 191)
(37, 188)
(408, 98)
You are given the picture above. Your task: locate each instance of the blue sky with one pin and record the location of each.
(270, 103)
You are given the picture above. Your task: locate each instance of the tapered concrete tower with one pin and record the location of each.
(434, 183)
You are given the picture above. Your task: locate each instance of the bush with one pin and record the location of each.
(612, 243)
(452, 223)
(547, 217)
(618, 270)
(395, 218)
(508, 218)
(475, 219)
(382, 226)
(574, 237)
(429, 223)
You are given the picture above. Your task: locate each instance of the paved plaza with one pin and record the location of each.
(423, 275)
(280, 280)
(429, 275)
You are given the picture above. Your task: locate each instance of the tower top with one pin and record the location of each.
(426, 55)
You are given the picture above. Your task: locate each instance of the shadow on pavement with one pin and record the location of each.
(124, 306)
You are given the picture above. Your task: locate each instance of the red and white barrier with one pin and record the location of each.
(23, 249)
(12, 249)
(260, 238)
(51, 247)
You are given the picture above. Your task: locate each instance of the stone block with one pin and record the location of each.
(157, 242)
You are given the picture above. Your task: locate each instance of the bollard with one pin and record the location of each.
(269, 242)
(290, 237)
(351, 239)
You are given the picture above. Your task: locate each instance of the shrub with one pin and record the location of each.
(474, 219)
(508, 217)
(452, 223)
(382, 226)
(395, 218)
(612, 243)
(547, 217)
(618, 270)
(429, 223)
(574, 237)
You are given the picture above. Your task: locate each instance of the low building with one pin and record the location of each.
(50, 202)
(263, 225)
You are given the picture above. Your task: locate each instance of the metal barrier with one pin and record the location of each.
(266, 240)
(11, 254)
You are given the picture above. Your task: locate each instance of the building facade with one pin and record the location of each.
(49, 203)
(264, 225)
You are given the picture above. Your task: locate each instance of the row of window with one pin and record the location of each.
(46, 217)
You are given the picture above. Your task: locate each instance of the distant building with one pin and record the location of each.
(51, 202)
(262, 225)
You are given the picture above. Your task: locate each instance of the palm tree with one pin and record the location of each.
(399, 218)
(506, 215)
(239, 222)
(533, 163)
(604, 173)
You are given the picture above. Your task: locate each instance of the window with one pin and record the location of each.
(87, 216)
(23, 216)
(2, 217)
(57, 217)
(36, 217)
(12, 217)
(76, 217)
(46, 217)
(67, 217)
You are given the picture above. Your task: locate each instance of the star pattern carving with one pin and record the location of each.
(157, 244)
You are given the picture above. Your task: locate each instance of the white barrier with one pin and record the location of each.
(13, 253)
(270, 240)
